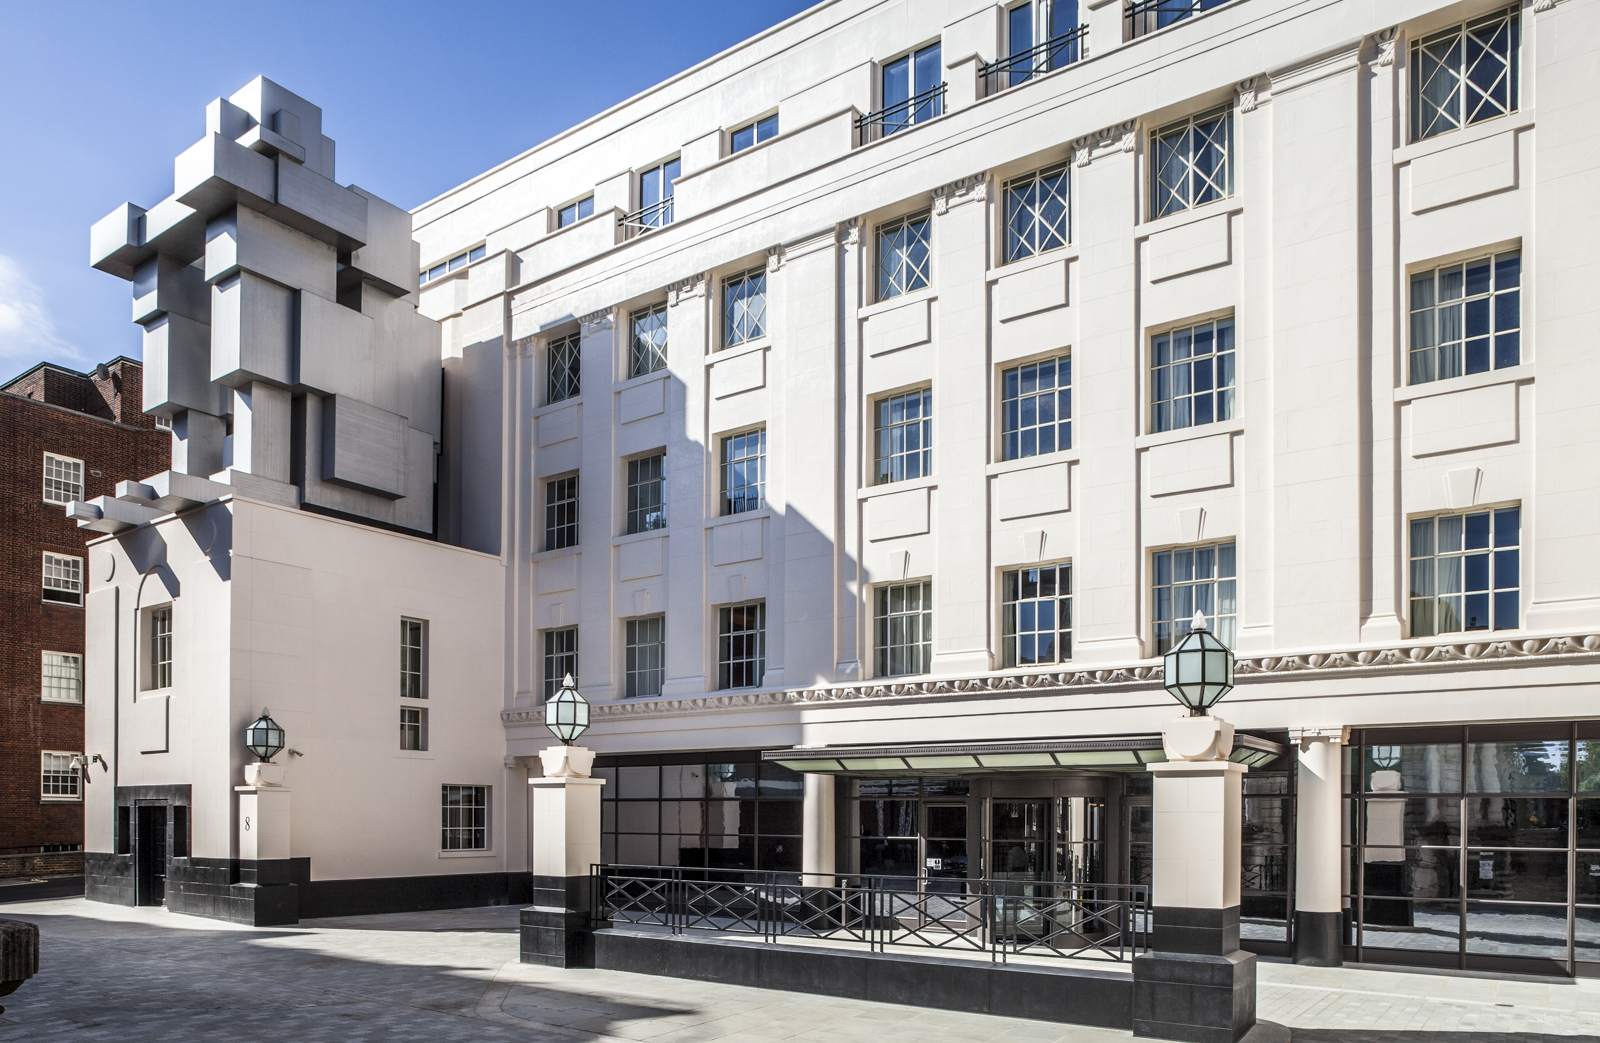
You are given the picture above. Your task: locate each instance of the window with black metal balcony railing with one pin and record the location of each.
(1146, 16)
(912, 89)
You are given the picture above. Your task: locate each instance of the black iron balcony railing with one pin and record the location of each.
(656, 215)
(1001, 918)
(897, 117)
(1023, 66)
(1146, 16)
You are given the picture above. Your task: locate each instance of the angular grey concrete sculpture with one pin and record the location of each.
(281, 336)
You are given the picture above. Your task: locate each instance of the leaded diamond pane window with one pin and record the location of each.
(904, 255)
(1193, 162)
(905, 436)
(1037, 212)
(1036, 408)
(744, 307)
(1466, 318)
(560, 658)
(744, 472)
(742, 645)
(464, 818)
(63, 479)
(645, 647)
(1192, 376)
(648, 351)
(563, 367)
(647, 493)
(903, 628)
(1465, 74)
(561, 513)
(1466, 572)
(1036, 615)
(63, 579)
(1187, 579)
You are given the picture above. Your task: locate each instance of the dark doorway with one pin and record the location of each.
(151, 853)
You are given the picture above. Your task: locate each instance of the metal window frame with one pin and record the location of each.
(1010, 638)
(919, 652)
(1188, 126)
(878, 428)
(633, 646)
(1060, 387)
(469, 817)
(561, 514)
(646, 517)
(1034, 181)
(645, 355)
(414, 726)
(69, 581)
(409, 625)
(754, 126)
(1490, 552)
(735, 498)
(1180, 619)
(1191, 396)
(48, 771)
(158, 623)
(751, 324)
(564, 368)
(1494, 293)
(730, 667)
(559, 662)
(1463, 92)
(903, 278)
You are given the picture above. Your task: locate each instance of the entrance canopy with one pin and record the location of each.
(1126, 753)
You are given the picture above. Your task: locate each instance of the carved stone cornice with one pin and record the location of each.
(596, 321)
(686, 289)
(521, 348)
(1383, 44)
(1119, 137)
(1145, 675)
(973, 188)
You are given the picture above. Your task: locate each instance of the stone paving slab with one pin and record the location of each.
(146, 975)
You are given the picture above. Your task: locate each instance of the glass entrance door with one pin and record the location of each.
(945, 847)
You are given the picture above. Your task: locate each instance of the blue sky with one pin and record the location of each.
(99, 98)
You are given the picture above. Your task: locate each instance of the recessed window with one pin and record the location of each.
(753, 133)
(655, 195)
(61, 674)
(63, 479)
(1062, 46)
(561, 513)
(1038, 215)
(59, 778)
(1146, 16)
(741, 645)
(560, 658)
(1192, 376)
(1190, 578)
(913, 91)
(905, 436)
(645, 655)
(563, 366)
(464, 818)
(413, 659)
(1465, 74)
(63, 579)
(1036, 615)
(1466, 318)
(647, 351)
(1036, 408)
(902, 628)
(647, 493)
(904, 256)
(1192, 162)
(1466, 572)
(572, 213)
(744, 307)
(456, 263)
(161, 647)
(413, 728)
(744, 472)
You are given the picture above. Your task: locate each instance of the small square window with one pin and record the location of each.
(904, 255)
(59, 777)
(1465, 74)
(753, 133)
(572, 213)
(1466, 572)
(1193, 162)
(464, 818)
(63, 479)
(62, 677)
(63, 579)
(1466, 318)
(413, 728)
(1190, 579)
(1038, 212)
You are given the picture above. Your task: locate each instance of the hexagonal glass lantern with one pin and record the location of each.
(566, 713)
(264, 738)
(1199, 671)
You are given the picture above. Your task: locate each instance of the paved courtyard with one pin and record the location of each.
(140, 975)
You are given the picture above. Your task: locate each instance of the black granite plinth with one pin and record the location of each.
(1319, 938)
(556, 928)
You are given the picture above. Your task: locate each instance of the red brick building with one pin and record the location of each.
(63, 436)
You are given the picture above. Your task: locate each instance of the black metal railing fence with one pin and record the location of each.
(901, 115)
(1001, 918)
(1017, 69)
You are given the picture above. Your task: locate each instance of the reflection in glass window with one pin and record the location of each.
(1466, 572)
(572, 213)
(1465, 74)
(1193, 162)
(741, 645)
(903, 255)
(744, 307)
(647, 493)
(1192, 376)
(1195, 578)
(744, 472)
(1037, 212)
(1036, 408)
(1466, 317)
(648, 345)
(645, 646)
(560, 658)
(562, 368)
(905, 436)
(903, 628)
(1517, 767)
(753, 133)
(1036, 615)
